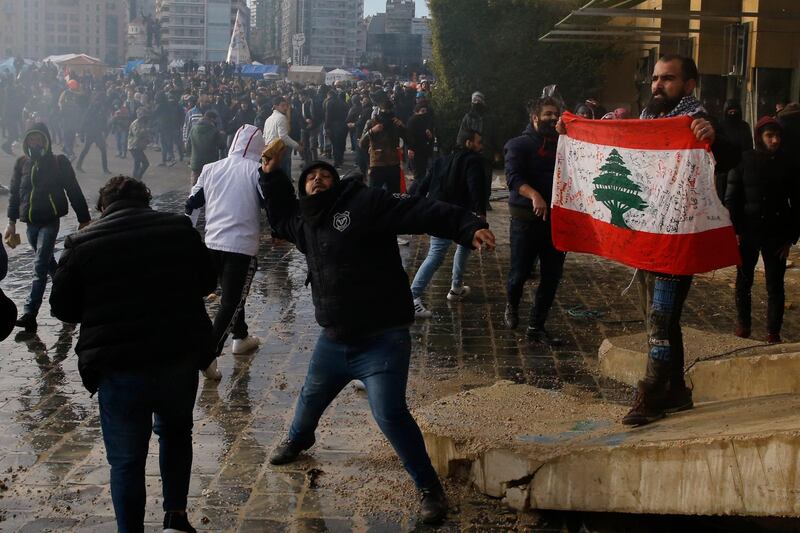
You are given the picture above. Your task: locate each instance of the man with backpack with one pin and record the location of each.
(456, 179)
(40, 187)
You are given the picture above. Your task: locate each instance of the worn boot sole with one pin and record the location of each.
(642, 420)
(679, 408)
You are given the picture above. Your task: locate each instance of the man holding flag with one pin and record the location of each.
(670, 225)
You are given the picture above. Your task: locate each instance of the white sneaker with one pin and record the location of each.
(246, 345)
(420, 311)
(403, 242)
(359, 385)
(458, 294)
(212, 372)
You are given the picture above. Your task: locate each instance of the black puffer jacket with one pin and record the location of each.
(39, 189)
(135, 279)
(357, 279)
(763, 200)
(458, 178)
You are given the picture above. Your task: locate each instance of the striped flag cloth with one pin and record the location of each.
(640, 192)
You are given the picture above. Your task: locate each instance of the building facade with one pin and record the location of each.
(38, 28)
(399, 16)
(330, 28)
(199, 30)
(265, 25)
(748, 50)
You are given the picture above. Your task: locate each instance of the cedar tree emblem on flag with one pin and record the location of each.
(640, 192)
(616, 191)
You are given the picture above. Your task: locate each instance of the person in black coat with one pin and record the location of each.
(95, 129)
(739, 134)
(457, 179)
(135, 281)
(529, 161)
(348, 233)
(764, 201)
(420, 139)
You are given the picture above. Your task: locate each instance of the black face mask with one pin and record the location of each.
(36, 152)
(547, 128)
(733, 118)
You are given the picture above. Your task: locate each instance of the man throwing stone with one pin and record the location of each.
(362, 299)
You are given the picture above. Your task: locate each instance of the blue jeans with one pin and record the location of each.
(434, 260)
(121, 137)
(42, 239)
(128, 401)
(381, 362)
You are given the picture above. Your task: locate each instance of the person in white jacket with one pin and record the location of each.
(277, 127)
(230, 192)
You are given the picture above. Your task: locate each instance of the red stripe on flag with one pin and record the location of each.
(681, 254)
(660, 134)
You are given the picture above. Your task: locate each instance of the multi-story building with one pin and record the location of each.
(399, 14)
(198, 29)
(38, 28)
(330, 28)
(422, 26)
(265, 28)
(138, 8)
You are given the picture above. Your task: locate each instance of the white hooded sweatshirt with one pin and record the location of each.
(231, 194)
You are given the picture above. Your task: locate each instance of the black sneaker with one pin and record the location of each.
(27, 321)
(434, 505)
(287, 452)
(678, 399)
(511, 317)
(177, 523)
(541, 335)
(648, 406)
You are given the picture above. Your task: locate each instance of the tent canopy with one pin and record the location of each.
(307, 74)
(72, 59)
(337, 75)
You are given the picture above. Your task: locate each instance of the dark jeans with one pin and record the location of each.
(310, 140)
(774, 272)
(385, 178)
(661, 298)
(532, 240)
(129, 403)
(100, 140)
(338, 133)
(168, 143)
(381, 362)
(42, 238)
(140, 163)
(121, 137)
(69, 140)
(235, 273)
(421, 161)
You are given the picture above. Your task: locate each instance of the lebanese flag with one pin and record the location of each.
(640, 192)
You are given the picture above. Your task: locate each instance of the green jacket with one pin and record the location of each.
(138, 135)
(205, 142)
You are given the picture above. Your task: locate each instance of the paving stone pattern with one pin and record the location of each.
(53, 468)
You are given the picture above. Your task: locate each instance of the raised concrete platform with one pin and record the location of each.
(720, 367)
(545, 450)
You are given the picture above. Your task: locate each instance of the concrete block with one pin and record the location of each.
(720, 367)
(738, 457)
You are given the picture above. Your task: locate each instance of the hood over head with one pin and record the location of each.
(247, 143)
(301, 182)
(732, 104)
(39, 127)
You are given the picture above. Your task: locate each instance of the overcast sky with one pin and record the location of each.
(379, 6)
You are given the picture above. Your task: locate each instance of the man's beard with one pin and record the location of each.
(663, 105)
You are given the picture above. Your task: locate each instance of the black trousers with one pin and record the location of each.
(532, 240)
(385, 178)
(235, 273)
(774, 271)
(99, 140)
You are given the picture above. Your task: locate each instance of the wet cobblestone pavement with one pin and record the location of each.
(52, 459)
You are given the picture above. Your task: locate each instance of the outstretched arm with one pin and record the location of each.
(402, 214)
(280, 201)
